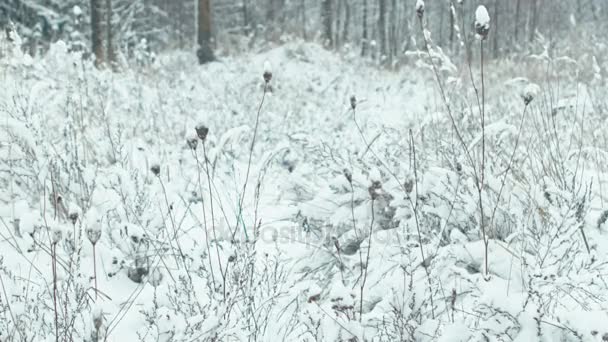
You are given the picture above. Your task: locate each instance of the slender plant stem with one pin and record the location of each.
(217, 248)
(255, 133)
(200, 190)
(369, 248)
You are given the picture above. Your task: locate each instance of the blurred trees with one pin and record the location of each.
(379, 29)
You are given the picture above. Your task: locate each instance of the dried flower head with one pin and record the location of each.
(56, 235)
(348, 175)
(94, 233)
(192, 143)
(73, 216)
(420, 8)
(267, 72)
(97, 317)
(529, 93)
(482, 22)
(202, 131)
(374, 189)
(409, 186)
(353, 102)
(155, 277)
(155, 168)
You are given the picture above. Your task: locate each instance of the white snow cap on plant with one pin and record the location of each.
(97, 317)
(56, 234)
(267, 71)
(419, 8)
(482, 21)
(530, 92)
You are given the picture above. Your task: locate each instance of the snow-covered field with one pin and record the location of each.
(343, 224)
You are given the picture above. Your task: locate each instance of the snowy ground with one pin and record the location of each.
(335, 221)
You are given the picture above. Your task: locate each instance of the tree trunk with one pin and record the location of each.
(365, 37)
(245, 10)
(382, 27)
(533, 19)
(517, 13)
(495, 30)
(452, 22)
(109, 37)
(204, 52)
(346, 22)
(393, 30)
(303, 9)
(338, 22)
(96, 32)
(326, 20)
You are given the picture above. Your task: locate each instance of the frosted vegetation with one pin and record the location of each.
(298, 194)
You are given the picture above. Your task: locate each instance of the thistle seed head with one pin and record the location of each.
(267, 72)
(202, 131)
(155, 169)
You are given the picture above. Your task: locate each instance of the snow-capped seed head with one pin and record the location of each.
(74, 213)
(192, 143)
(267, 72)
(94, 233)
(348, 175)
(409, 186)
(97, 317)
(375, 189)
(202, 131)
(529, 93)
(155, 168)
(56, 235)
(155, 277)
(353, 102)
(420, 8)
(482, 22)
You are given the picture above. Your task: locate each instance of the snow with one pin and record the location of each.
(482, 18)
(171, 269)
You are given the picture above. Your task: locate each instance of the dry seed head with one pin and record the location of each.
(482, 22)
(74, 213)
(529, 93)
(155, 169)
(202, 131)
(192, 143)
(409, 186)
(56, 235)
(420, 8)
(94, 233)
(267, 72)
(374, 189)
(353, 102)
(348, 175)
(97, 317)
(155, 277)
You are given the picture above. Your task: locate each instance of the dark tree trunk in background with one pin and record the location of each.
(303, 9)
(111, 58)
(338, 22)
(365, 38)
(393, 30)
(270, 12)
(495, 30)
(441, 18)
(382, 27)
(204, 52)
(326, 20)
(452, 22)
(96, 32)
(533, 18)
(245, 9)
(517, 14)
(346, 29)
